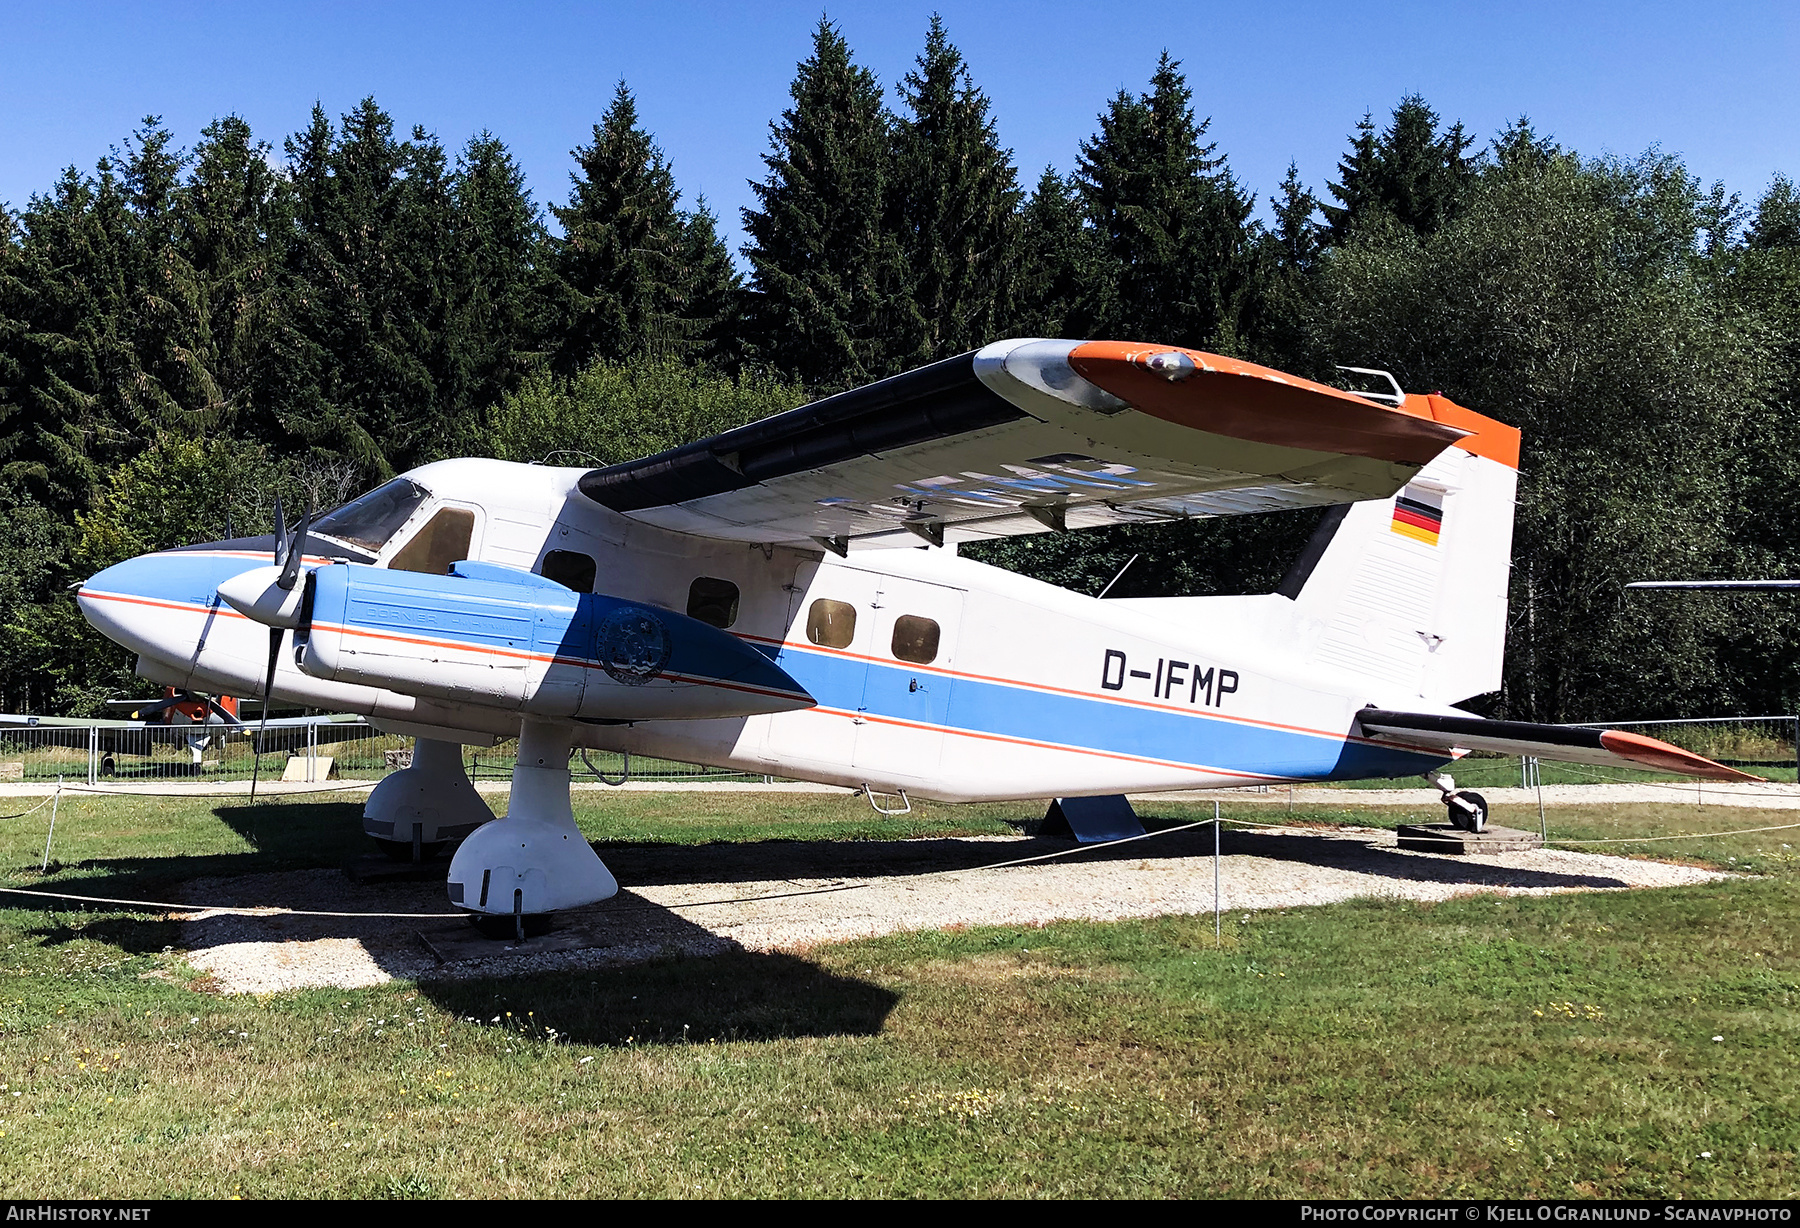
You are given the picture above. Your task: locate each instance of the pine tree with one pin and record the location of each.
(824, 269)
(953, 197)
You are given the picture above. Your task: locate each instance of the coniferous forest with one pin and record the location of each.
(189, 330)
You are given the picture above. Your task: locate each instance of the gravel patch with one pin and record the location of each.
(792, 895)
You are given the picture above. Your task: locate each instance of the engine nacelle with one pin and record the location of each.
(502, 638)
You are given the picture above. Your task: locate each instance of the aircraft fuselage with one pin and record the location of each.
(930, 673)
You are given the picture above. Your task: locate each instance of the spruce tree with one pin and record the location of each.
(617, 255)
(953, 197)
(1171, 221)
(824, 268)
(372, 260)
(1055, 260)
(1411, 174)
(711, 291)
(236, 222)
(502, 285)
(1278, 324)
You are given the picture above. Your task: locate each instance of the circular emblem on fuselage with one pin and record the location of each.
(633, 645)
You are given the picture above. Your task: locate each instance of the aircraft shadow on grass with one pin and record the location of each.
(674, 979)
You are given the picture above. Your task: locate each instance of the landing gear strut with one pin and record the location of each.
(415, 812)
(514, 871)
(1466, 809)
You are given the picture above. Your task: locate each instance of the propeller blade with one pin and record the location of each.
(290, 566)
(280, 532)
(275, 634)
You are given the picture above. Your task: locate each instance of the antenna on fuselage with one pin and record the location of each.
(1115, 579)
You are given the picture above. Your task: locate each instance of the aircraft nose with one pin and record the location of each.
(119, 602)
(154, 604)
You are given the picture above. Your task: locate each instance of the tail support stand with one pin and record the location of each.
(1465, 809)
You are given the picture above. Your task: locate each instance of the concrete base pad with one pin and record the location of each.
(1443, 838)
(456, 941)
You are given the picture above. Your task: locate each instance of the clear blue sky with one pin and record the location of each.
(1715, 83)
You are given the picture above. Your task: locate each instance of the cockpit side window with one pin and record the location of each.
(443, 540)
(370, 520)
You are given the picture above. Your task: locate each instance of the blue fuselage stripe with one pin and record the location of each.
(1031, 714)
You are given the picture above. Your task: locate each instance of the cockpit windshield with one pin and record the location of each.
(370, 520)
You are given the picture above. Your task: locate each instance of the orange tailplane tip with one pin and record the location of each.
(1662, 757)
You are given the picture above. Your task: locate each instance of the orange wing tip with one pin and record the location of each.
(1228, 396)
(1662, 757)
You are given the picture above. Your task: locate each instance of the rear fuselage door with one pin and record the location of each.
(908, 681)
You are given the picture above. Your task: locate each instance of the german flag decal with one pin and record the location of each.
(1419, 514)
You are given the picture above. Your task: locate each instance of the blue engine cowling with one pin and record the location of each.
(503, 638)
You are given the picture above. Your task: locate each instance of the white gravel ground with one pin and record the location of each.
(687, 900)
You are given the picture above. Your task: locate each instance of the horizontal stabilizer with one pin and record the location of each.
(1563, 743)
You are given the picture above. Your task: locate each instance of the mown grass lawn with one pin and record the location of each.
(1483, 1046)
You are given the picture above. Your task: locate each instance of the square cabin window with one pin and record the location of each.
(916, 639)
(714, 602)
(571, 569)
(831, 624)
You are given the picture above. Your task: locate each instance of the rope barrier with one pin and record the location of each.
(47, 800)
(1691, 835)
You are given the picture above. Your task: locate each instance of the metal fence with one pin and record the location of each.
(344, 750)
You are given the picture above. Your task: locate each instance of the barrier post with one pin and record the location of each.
(93, 754)
(54, 804)
(1218, 922)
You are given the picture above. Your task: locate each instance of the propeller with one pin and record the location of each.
(288, 553)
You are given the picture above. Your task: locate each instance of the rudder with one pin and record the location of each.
(1411, 592)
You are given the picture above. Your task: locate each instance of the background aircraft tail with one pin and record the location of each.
(1410, 592)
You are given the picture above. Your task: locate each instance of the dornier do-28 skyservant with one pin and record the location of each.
(785, 598)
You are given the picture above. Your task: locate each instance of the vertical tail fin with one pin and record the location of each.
(1410, 592)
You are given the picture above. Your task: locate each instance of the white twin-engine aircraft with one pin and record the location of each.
(744, 601)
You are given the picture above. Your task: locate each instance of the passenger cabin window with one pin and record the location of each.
(831, 624)
(915, 639)
(442, 541)
(370, 520)
(714, 602)
(571, 569)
